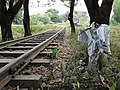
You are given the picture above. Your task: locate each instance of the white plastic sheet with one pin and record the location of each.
(96, 39)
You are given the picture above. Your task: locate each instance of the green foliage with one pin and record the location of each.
(18, 31)
(76, 46)
(39, 19)
(34, 19)
(116, 10)
(53, 11)
(82, 16)
(76, 58)
(66, 16)
(19, 17)
(45, 19)
(113, 87)
(40, 23)
(36, 28)
(53, 14)
(55, 19)
(54, 53)
(41, 28)
(50, 16)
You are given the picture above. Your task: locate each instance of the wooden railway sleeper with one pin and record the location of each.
(10, 70)
(17, 67)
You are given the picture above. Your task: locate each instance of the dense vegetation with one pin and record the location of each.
(111, 68)
(116, 11)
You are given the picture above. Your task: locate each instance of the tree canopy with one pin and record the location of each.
(54, 15)
(116, 10)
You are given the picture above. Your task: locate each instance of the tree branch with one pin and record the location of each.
(106, 8)
(14, 10)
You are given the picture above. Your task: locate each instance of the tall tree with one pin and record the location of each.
(93, 8)
(105, 10)
(100, 14)
(8, 13)
(26, 20)
(70, 17)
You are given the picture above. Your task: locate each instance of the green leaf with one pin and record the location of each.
(113, 87)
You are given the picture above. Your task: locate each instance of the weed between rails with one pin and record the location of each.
(53, 53)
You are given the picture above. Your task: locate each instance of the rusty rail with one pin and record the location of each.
(12, 42)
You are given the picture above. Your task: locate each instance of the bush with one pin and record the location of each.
(53, 14)
(55, 19)
(45, 19)
(39, 19)
(18, 31)
(34, 19)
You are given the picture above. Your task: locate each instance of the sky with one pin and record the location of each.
(59, 6)
(34, 7)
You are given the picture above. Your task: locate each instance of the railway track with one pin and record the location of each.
(15, 55)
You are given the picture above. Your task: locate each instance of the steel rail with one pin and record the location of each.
(9, 71)
(12, 42)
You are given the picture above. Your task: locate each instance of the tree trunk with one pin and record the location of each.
(106, 8)
(6, 28)
(89, 5)
(6, 23)
(70, 18)
(93, 10)
(26, 19)
(99, 14)
(7, 17)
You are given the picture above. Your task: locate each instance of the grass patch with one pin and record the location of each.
(18, 30)
(115, 41)
(54, 54)
(112, 67)
(78, 49)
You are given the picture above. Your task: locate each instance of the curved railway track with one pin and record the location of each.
(19, 53)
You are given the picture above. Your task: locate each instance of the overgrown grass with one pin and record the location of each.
(114, 40)
(79, 49)
(18, 30)
(42, 28)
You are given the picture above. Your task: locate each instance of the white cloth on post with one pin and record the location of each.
(96, 38)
